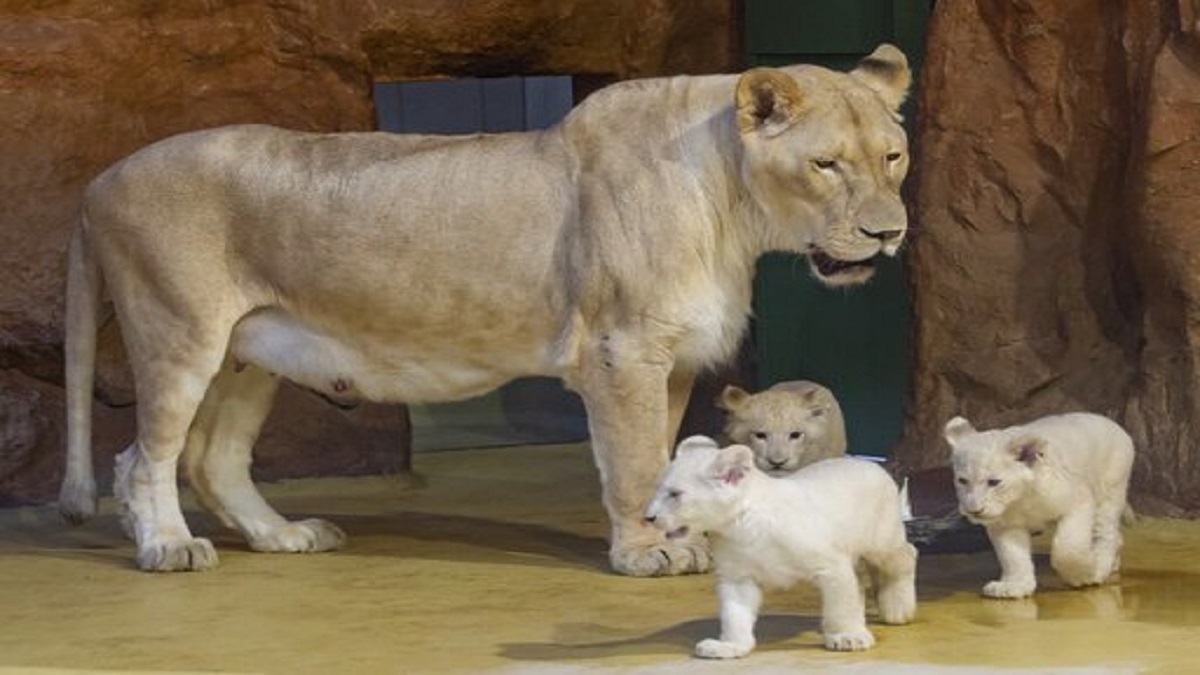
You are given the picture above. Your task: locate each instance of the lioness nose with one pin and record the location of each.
(882, 235)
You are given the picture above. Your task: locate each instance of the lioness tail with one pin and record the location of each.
(77, 498)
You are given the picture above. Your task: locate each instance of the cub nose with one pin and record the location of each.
(650, 518)
(777, 464)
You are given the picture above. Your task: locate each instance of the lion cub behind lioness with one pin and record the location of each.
(1070, 472)
(788, 426)
(819, 525)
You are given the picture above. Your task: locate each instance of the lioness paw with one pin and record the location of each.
(305, 536)
(190, 555)
(687, 556)
(720, 649)
(1009, 589)
(850, 640)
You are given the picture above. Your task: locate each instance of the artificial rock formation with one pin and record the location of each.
(1056, 252)
(86, 82)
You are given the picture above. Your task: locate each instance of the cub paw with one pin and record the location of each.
(304, 536)
(720, 649)
(662, 558)
(188, 555)
(1009, 589)
(850, 641)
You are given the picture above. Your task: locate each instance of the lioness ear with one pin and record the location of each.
(1028, 450)
(694, 443)
(733, 464)
(956, 429)
(768, 101)
(886, 72)
(732, 397)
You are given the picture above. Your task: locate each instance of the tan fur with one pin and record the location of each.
(615, 250)
(788, 426)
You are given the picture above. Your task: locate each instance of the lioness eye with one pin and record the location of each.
(795, 435)
(824, 164)
(993, 482)
(893, 157)
(760, 435)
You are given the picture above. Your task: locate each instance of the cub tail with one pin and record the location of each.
(77, 497)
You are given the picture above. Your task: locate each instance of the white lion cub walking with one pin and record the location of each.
(1067, 471)
(788, 426)
(817, 525)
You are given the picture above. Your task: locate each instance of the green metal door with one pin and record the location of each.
(854, 341)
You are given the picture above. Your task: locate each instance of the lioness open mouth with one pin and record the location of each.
(834, 271)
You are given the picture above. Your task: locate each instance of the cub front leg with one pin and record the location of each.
(624, 384)
(1013, 549)
(740, 600)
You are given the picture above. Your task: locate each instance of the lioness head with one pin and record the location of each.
(788, 426)
(992, 469)
(698, 492)
(825, 155)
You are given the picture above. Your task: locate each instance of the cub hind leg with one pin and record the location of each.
(218, 456)
(893, 575)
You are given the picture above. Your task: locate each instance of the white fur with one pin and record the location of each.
(1070, 472)
(816, 525)
(788, 426)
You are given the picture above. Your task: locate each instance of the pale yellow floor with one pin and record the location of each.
(498, 565)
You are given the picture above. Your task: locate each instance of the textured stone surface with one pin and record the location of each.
(1057, 226)
(85, 82)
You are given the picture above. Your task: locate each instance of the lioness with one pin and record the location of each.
(615, 251)
(788, 426)
(1069, 472)
(818, 525)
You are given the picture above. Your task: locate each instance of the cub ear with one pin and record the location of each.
(733, 464)
(695, 443)
(732, 397)
(956, 429)
(885, 71)
(768, 101)
(1028, 450)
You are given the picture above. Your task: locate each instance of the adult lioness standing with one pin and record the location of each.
(615, 250)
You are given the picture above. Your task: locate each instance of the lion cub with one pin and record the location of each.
(788, 426)
(818, 525)
(1067, 471)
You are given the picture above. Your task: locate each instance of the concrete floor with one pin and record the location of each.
(498, 565)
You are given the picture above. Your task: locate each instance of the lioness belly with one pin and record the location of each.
(362, 367)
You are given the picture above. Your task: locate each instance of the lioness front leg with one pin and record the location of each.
(740, 600)
(624, 386)
(1014, 551)
(218, 458)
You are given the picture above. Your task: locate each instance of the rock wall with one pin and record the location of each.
(1058, 226)
(85, 82)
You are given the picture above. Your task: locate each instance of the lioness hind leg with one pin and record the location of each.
(218, 457)
(894, 574)
(145, 482)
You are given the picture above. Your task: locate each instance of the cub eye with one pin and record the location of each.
(795, 435)
(993, 482)
(824, 164)
(893, 156)
(760, 435)
(961, 481)
(673, 494)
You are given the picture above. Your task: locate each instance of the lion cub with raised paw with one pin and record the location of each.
(788, 426)
(1066, 471)
(821, 524)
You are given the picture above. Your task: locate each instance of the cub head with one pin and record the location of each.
(699, 491)
(824, 157)
(788, 426)
(992, 469)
